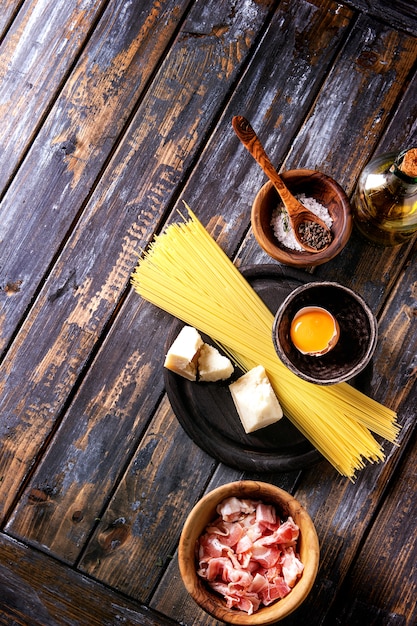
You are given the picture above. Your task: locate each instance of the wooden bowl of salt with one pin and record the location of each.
(318, 192)
(205, 513)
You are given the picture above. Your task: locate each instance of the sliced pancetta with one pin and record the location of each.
(248, 555)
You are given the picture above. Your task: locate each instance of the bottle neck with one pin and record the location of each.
(405, 166)
(399, 181)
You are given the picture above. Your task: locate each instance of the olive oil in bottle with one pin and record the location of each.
(385, 199)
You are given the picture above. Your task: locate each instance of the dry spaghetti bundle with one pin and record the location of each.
(187, 274)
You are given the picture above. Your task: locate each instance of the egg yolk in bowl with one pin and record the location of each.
(314, 331)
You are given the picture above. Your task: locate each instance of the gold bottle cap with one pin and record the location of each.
(409, 163)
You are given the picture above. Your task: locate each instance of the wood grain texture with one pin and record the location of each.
(8, 10)
(83, 325)
(47, 478)
(37, 590)
(334, 505)
(304, 37)
(401, 14)
(36, 54)
(332, 132)
(50, 190)
(363, 84)
(171, 597)
(143, 511)
(370, 582)
(27, 520)
(392, 381)
(364, 264)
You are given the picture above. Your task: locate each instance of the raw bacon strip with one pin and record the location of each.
(233, 508)
(274, 591)
(266, 515)
(244, 544)
(266, 556)
(248, 556)
(291, 567)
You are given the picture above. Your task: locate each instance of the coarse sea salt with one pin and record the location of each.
(282, 227)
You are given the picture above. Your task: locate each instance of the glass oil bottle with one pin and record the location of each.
(385, 199)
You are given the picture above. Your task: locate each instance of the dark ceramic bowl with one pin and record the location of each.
(356, 344)
(314, 185)
(205, 511)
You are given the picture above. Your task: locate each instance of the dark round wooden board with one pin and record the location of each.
(206, 410)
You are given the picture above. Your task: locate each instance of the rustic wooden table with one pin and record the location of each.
(112, 112)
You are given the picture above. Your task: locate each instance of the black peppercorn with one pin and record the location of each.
(314, 235)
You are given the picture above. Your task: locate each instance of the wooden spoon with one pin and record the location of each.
(298, 214)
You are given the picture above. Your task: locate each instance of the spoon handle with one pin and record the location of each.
(250, 140)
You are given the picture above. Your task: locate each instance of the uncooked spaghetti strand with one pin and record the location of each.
(326, 433)
(150, 287)
(151, 290)
(375, 416)
(229, 270)
(194, 315)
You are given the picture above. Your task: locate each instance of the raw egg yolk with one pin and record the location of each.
(314, 331)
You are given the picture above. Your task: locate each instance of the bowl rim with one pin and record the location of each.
(356, 369)
(297, 258)
(204, 511)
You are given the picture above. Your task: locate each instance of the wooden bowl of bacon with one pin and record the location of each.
(248, 553)
(319, 193)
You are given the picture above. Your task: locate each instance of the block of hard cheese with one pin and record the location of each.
(213, 366)
(255, 400)
(182, 356)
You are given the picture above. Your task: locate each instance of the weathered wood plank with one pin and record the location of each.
(170, 596)
(304, 37)
(397, 346)
(26, 524)
(36, 54)
(368, 77)
(392, 539)
(344, 513)
(8, 10)
(108, 568)
(363, 86)
(35, 590)
(404, 118)
(142, 524)
(81, 294)
(391, 545)
(401, 14)
(150, 517)
(108, 417)
(49, 192)
(365, 267)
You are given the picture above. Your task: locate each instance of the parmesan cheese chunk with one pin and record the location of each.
(182, 356)
(255, 400)
(213, 366)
